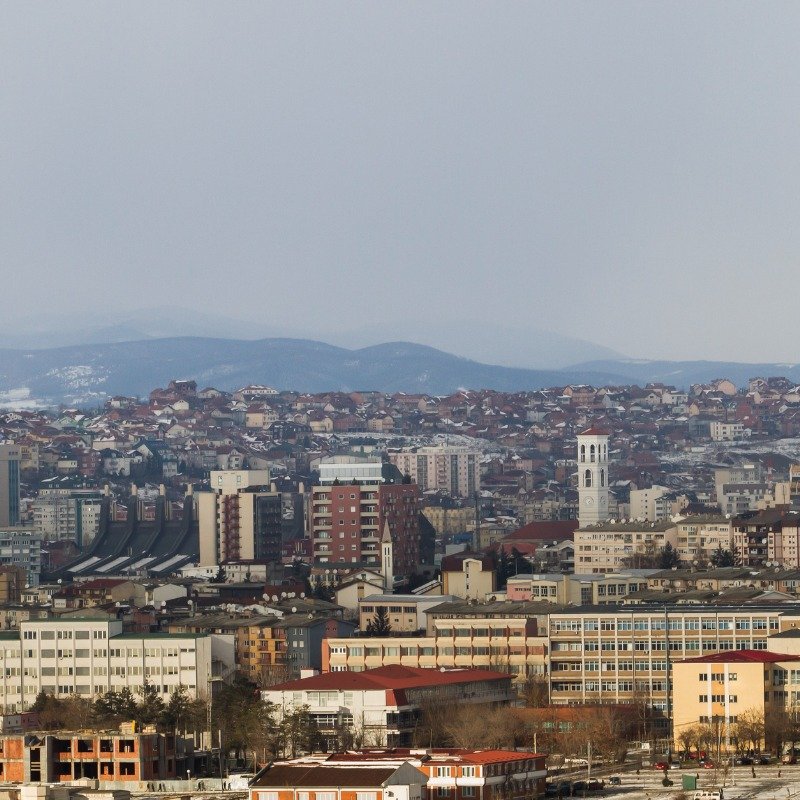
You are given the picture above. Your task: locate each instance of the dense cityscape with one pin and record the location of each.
(336, 583)
(399, 401)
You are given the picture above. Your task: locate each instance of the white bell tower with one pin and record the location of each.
(592, 476)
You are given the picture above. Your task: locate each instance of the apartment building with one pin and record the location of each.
(244, 518)
(645, 505)
(717, 689)
(66, 513)
(726, 431)
(89, 656)
(21, 547)
(614, 546)
(472, 576)
(701, 536)
(383, 705)
(783, 546)
(751, 535)
(584, 589)
(9, 485)
(441, 468)
(355, 503)
(626, 654)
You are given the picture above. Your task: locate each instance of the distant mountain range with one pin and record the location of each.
(86, 374)
(530, 348)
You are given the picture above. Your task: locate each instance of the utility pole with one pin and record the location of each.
(669, 683)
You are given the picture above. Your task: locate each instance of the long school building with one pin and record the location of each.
(590, 654)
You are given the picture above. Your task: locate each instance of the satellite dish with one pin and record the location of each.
(283, 594)
(302, 594)
(274, 598)
(294, 609)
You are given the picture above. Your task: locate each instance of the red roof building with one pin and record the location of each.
(386, 700)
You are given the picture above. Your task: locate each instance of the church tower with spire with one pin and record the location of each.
(387, 558)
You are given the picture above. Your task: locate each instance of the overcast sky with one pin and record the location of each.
(627, 173)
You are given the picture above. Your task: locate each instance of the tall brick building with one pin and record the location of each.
(352, 506)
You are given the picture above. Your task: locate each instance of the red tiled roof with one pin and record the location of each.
(594, 432)
(544, 530)
(325, 776)
(394, 676)
(741, 657)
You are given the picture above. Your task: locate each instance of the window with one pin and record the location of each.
(443, 772)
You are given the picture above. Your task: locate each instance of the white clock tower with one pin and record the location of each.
(592, 476)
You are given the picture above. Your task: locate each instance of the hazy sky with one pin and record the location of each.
(627, 173)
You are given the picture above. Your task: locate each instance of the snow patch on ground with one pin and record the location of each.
(20, 399)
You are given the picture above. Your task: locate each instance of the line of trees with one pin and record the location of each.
(178, 713)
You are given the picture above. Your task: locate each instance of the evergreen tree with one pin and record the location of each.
(379, 625)
(176, 713)
(725, 558)
(150, 708)
(668, 557)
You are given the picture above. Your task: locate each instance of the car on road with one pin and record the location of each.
(591, 785)
(615, 780)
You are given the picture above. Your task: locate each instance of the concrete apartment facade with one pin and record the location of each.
(88, 657)
(613, 546)
(441, 468)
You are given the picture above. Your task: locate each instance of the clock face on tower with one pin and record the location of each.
(589, 501)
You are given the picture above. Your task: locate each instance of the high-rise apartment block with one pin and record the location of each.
(442, 468)
(354, 506)
(66, 513)
(240, 519)
(9, 484)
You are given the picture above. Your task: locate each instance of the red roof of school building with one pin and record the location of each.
(741, 657)
(394, 676)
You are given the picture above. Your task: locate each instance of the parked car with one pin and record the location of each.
(708, 764)
(765, 758)
(663, 765)
(743, 761)
(615, 780)
(595, 785)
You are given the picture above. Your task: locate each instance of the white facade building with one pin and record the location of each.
(455, 470)
(89, 657)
